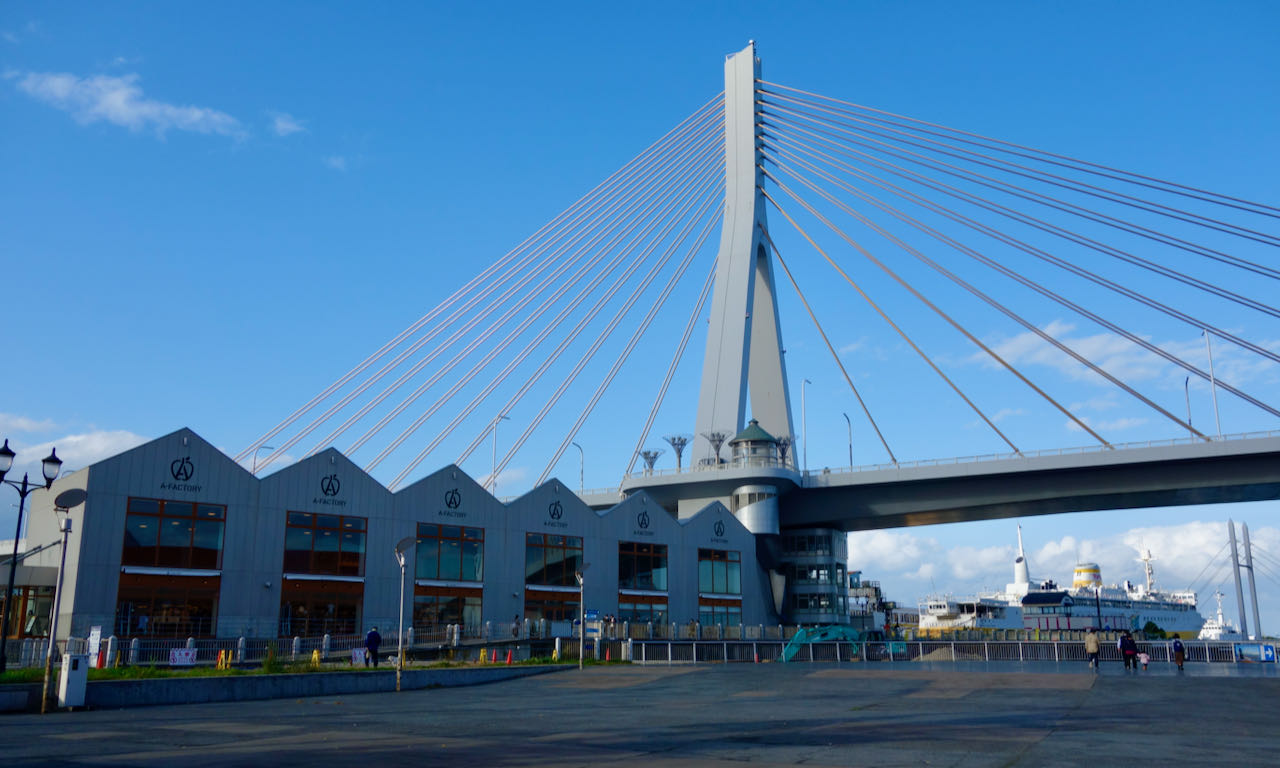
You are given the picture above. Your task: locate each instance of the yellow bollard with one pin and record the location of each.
(555, 654)
(222, 660)
(315, 658)
(484, 655)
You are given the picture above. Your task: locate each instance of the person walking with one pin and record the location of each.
(1179, 652)
(371, 643)
(1092, 648)
(1129, 649)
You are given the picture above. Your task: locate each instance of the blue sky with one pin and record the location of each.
(210, 213)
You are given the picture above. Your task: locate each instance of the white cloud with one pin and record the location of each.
(284, 124)
(336, 162)
(79, 450)
(10, 423)
(120, 101)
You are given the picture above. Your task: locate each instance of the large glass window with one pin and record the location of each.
(434, 607)
(552, 606)
(450, 553)
(151, 605)
(642, 566)
(642, 609)
(314, 608)
(726, 612)
(552, 560)
(329, 545)
(29, 613)
(719, 571)
(173, 534)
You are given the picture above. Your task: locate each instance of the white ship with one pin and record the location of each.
(1047, 607)
(1219, 628)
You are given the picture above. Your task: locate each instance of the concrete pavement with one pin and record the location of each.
(885, 714)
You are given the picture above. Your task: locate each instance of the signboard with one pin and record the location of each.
(182, 657)
(593, 614)
(95, 644)
(1255, 652)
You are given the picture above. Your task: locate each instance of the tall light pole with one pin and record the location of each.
(582, 612)
(1213, 384)
(401, 547)
(849, 424)
(255, 455)
(49, 467)
(64, 525)
(1186, 391)
(581, 462)
(804, 425)
(493, 473)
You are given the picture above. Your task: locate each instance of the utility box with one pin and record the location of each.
(73, 680)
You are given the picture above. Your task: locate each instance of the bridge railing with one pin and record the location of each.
(816, 476)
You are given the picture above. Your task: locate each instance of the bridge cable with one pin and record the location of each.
(479, 279)
(601, 337)
(1058, 231)
(812, 317)
(671, 367)
(705, 154)
(1071, 305)
(979, 294)
(523, 302)
(894, 325)
(1054, 203)
(921, 297)
(626, 352)
(532, 345)
(1064, 161)
(1050, 179)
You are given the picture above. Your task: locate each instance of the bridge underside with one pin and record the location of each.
(991, 495)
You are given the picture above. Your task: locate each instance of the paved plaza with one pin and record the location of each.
(883, 714)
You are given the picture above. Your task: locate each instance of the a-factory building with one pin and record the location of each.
(177, 540)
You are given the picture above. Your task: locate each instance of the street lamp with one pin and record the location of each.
(850, 425)
(582, 612)
(401, 547)
(804, 426)
(582, 460)
(49, 467)
(255, 455)
(64, 525)
(493, 473)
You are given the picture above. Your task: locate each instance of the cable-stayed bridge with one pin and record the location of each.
(978, 258)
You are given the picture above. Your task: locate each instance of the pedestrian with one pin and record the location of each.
(371, 643)
(1179, 653)
(1129, 649)
(1143, 659)
(1092, 648)
(515, 625)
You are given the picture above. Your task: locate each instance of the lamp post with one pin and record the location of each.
(1186, 391)
(493, 473)
(582, 460)
(255, 455)
(401, 547)
(582, 612)
(64, 525)
(849, 424)
(1213, 383)
(49, 467)
(804, 425)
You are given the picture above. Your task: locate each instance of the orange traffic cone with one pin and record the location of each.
(508, 657)
(495, 656)
(606, 654)
(757, 657)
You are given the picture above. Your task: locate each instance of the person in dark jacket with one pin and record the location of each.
(1179, 652)
(371, 643)
(1129, 650)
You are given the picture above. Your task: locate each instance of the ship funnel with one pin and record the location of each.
(1087, 576)
(1021, 575)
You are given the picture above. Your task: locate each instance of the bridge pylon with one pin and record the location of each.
(744, 337)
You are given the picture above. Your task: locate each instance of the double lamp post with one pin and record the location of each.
(49, 467)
